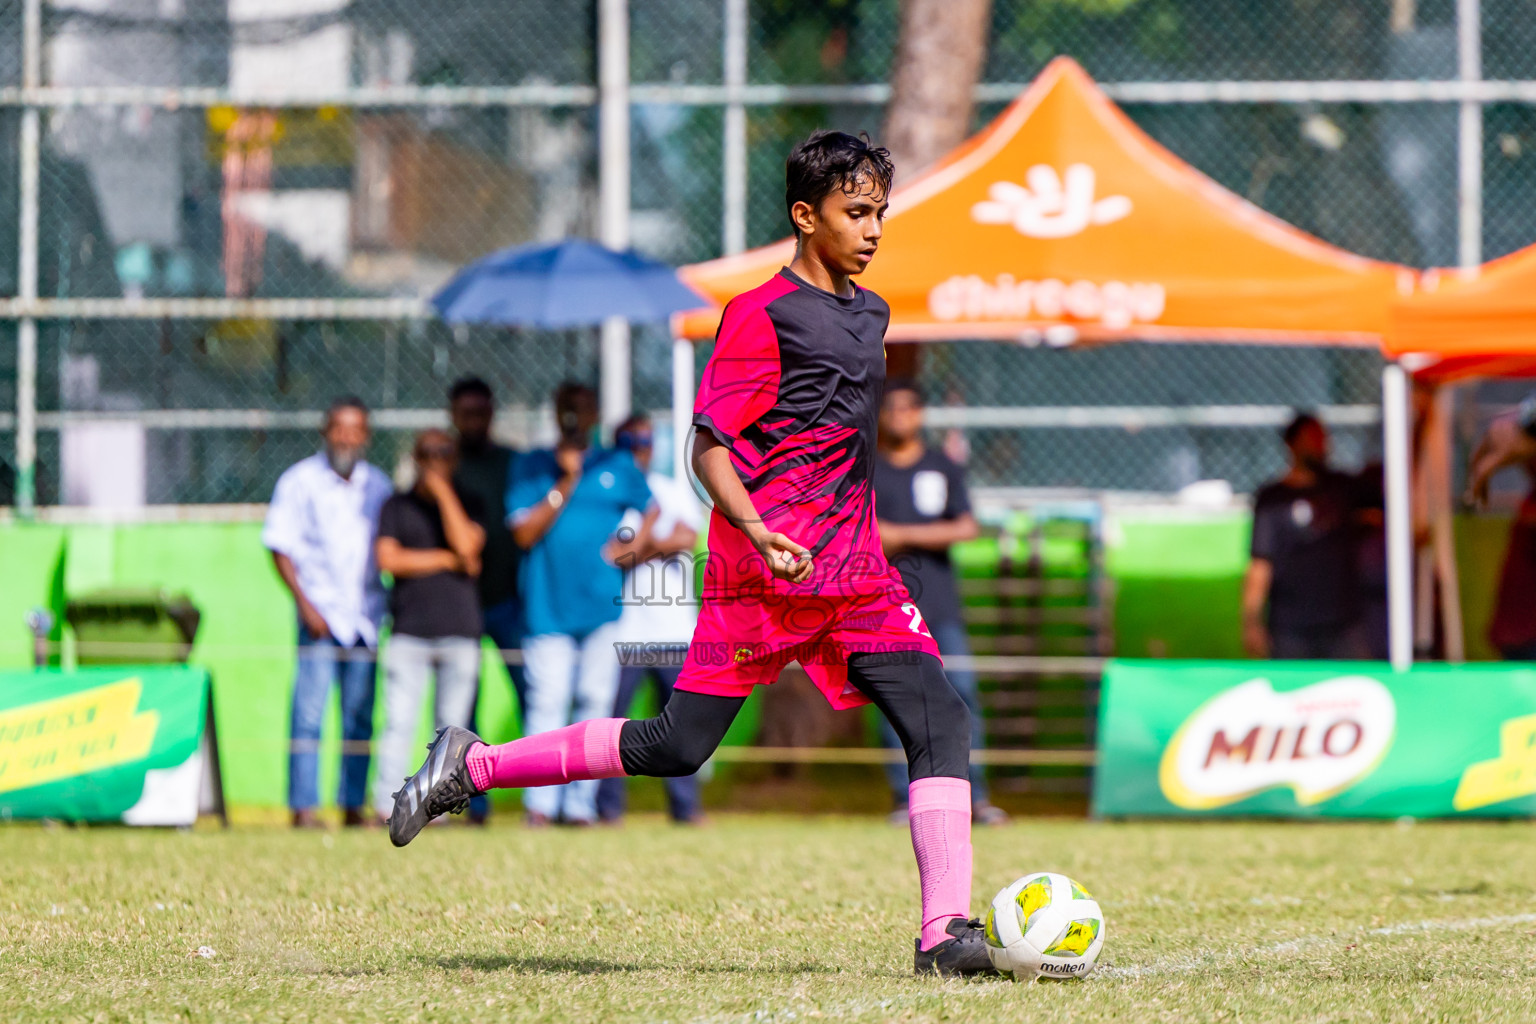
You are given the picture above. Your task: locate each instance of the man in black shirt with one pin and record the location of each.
(429, 542)
(923, 507)
(483, 470)
(1301, 595)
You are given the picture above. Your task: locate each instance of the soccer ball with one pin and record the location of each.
(1044, 926)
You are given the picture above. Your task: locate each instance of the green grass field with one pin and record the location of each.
(755, 920)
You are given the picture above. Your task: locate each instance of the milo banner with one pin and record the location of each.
(108, 744)
(1316, 739)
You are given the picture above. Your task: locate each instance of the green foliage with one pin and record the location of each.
(833, 41)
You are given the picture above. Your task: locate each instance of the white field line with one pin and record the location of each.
(1305, 942)
(964, 990)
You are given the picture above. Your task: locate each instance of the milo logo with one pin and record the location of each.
(1318, 740)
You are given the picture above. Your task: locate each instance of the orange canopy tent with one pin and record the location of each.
(1063, 220)
(1479, 323)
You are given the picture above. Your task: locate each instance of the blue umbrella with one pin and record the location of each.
(573, 283)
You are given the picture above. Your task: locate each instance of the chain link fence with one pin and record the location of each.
(418, 137)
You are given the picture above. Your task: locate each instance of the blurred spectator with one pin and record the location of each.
(482, 475)
(1301, 596)
(430, 543)
(1371, 559)
(661, 605)
(320, 530)
(1511, 441)
(924, 507)
(564, 505)
(1513, 629)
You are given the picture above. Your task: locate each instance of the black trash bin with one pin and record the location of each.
(132, 627)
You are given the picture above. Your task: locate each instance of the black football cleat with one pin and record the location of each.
(440, 786)
(963, 955)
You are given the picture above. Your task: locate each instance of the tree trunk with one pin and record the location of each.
(938, 62)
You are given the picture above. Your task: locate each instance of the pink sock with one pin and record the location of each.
(940, 814)
(586, 750)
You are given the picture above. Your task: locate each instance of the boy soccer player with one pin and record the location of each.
(786, 419)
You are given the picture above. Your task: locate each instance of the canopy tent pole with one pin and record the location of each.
(1423, 601)
(1421, 471)
(1400, 577)
(1442, 521)
(682, 406)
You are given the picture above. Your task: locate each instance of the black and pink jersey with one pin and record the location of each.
(794, 388)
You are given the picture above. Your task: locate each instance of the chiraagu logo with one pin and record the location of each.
(1318, 740)
(1114, 304)
(1050, 205)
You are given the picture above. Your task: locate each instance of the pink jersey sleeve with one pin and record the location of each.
(741, 380)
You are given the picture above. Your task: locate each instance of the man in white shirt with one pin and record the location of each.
(320, 529)
(661, 606)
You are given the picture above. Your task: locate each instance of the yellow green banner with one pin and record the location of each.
(104, 744)
(1313, 739)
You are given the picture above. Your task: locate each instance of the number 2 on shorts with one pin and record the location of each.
(916, 625)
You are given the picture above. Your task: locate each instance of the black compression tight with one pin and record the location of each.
(909, 688)
(931, 719)
(680, 739)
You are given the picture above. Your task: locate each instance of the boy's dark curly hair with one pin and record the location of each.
(830, 161)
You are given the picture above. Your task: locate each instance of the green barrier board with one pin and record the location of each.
(105, 744)
(1316, 739)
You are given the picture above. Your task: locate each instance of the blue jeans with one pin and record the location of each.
(682, 793)
(954, 642)
(321, 663)
(570, 679)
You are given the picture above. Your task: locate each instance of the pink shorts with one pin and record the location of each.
(742, 643)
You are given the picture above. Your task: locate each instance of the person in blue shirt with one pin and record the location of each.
(564, 506)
